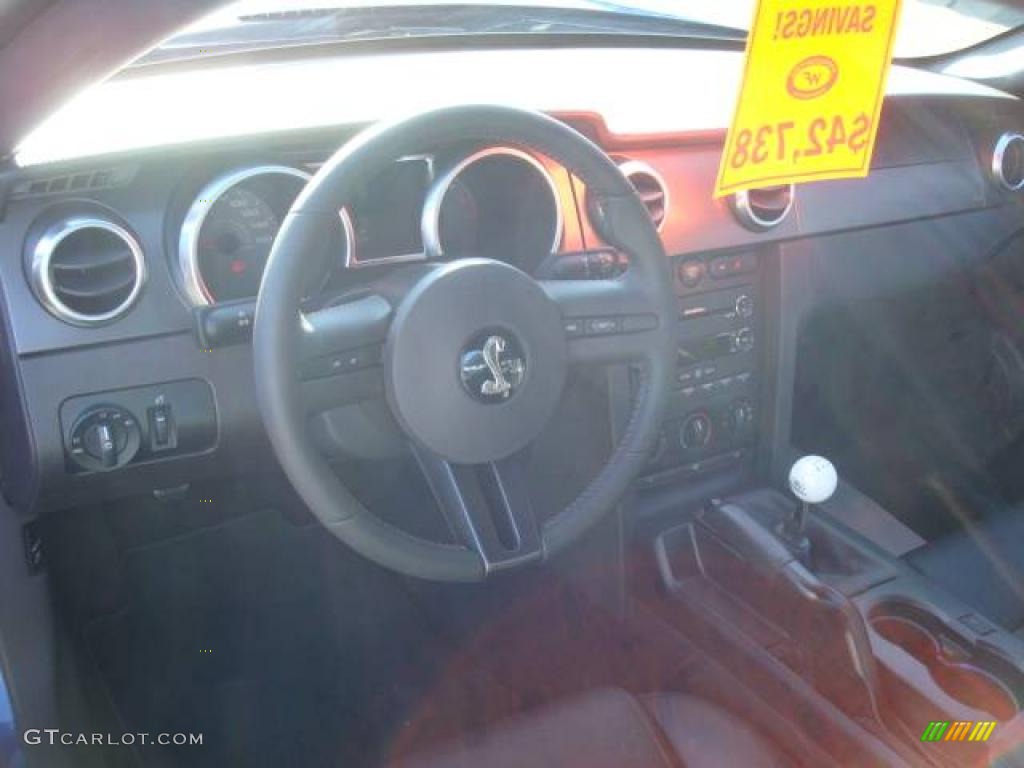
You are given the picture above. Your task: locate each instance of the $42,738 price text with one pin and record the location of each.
(786, 141)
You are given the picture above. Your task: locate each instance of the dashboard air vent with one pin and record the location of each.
(764, 208)
(1008, 161)
(87, 271)
(651, 188)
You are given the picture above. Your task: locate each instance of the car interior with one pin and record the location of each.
(382, 384)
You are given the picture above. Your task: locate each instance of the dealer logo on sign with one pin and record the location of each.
(812, 77)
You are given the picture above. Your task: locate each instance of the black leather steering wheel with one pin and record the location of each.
(471, 355)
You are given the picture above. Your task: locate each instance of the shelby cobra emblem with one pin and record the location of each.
(492, 367)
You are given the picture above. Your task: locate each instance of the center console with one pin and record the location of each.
(712, 420)
(838, 616)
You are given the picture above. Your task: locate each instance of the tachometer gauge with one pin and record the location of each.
(459, 221)
(498, 203)
(230, 228)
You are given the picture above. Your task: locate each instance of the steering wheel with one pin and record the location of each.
(471, 355)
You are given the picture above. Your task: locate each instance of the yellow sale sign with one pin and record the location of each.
(813, 84)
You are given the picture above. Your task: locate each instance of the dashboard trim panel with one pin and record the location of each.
(929, 201)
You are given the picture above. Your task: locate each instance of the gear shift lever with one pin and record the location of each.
(813, 480)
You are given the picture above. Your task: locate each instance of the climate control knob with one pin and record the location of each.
(696, 432)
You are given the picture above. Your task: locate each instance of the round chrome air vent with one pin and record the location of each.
(87, 270)
(650, 187)
(1008, 161)
(764, 208)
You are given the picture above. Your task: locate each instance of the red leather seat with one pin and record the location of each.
(612, 729)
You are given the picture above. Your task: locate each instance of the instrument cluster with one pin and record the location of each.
(493, 202)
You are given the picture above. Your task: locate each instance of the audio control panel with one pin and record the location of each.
(712, 420)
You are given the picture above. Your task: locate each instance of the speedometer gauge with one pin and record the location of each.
(230, 228)
(234, 244)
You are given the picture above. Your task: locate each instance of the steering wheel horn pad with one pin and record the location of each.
(475, 361)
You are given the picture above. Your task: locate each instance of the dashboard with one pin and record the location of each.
(129, 279)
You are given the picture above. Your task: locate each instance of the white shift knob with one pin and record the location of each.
(813, 479)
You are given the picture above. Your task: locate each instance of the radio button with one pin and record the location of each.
(729, 266)
(744, 340)
(602, 326)
(636, 323)
(574, 327)
(720, 267)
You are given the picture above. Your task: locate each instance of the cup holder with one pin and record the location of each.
(965, 671)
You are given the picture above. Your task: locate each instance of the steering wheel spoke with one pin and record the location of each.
(340, 348)
(604, 321)
(340, 328)
(487, 506)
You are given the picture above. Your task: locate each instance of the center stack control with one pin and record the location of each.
(712, 420)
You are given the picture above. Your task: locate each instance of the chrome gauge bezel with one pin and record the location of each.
(196, 290)
(431, 218)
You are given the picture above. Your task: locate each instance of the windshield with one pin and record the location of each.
(927, 28)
